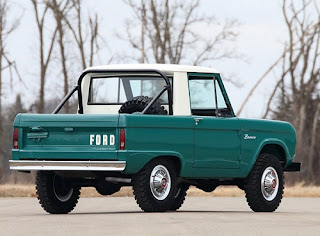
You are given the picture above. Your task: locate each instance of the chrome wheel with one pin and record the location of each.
(160, 182)
(61, 189)
(269, 183)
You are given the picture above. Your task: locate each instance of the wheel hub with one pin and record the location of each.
(164, 182)
(269, 183)
(160, 182)
(62, 189)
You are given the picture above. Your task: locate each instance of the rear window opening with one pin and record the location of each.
(116, 90)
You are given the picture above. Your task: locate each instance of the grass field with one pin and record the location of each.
(10, 190)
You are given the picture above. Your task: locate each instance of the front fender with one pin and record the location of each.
(288, 158)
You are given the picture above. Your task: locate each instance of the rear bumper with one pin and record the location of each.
(295, 166)
(27, 165)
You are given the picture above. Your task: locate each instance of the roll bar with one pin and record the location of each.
(65, 99)
(167, 87)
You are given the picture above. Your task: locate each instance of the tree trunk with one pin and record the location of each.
(64, 67)
(42, 72)
(42, 76)
(1, 118)
(313, 165)
(143, 26)
(44, 61)
(59, 17)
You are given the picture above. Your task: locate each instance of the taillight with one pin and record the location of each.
(122, 139)
(15, 138)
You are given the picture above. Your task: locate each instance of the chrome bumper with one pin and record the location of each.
(295, 166)
(28, 165)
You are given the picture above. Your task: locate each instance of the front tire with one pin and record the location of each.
(265, 183)
(154, 186)
(56, 194)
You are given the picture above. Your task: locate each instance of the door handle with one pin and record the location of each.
(37, 133)
(36, 129)
(196, 120)
(67, 129)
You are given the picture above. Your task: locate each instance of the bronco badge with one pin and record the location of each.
(246, 136)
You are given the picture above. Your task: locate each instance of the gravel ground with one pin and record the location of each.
(198, 216)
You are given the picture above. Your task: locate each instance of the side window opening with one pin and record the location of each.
(206, 98)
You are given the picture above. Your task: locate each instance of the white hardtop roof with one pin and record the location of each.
(169, 68)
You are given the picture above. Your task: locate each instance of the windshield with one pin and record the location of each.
(119, 89)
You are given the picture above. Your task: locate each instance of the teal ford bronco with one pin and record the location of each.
(159, 129)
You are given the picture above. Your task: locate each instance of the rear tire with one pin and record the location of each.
(56, 194)
(179, 197)
(154, 186)
(265, 183)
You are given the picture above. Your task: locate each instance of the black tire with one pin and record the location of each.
(142, 190)
(240, 183)
(106, 188)
(241, 186)
(179, 197)
(259, 197)
(55, 194)
(137, 104)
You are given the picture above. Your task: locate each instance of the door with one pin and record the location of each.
(216, 133)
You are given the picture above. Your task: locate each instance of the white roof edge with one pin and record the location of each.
(162, 67)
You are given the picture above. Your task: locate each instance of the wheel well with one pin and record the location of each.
(176, 161)
(275, 150)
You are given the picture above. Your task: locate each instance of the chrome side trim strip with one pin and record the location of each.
(68, 165)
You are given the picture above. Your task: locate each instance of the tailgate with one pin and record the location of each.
(67, 137)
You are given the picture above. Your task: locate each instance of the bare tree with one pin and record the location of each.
(258, 83)
(168, 33)
(6, 28)
(69, 21)
(85, 41)
(61, 10)
(303, 61)
(46, 44)
(298, 85)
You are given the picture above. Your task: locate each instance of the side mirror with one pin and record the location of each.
(224, 112)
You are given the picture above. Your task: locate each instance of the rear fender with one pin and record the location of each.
(136, 160)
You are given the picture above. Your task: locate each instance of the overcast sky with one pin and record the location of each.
(262, 33)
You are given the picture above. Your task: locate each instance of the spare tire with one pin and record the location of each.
(137, 104)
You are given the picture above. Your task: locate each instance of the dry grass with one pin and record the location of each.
(17, 190)
(10, 190)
